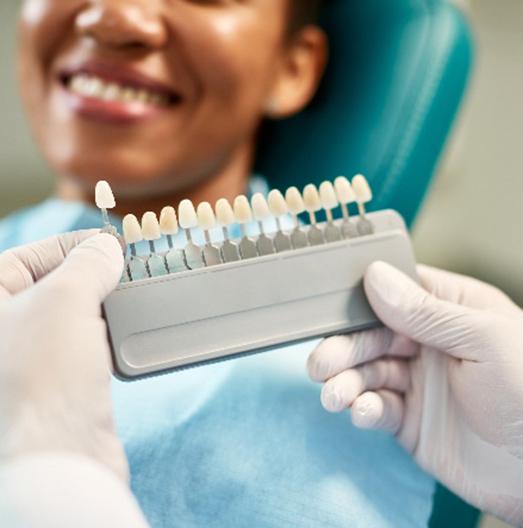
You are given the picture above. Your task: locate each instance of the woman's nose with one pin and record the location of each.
(123, 23)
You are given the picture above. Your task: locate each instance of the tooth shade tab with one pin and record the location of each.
(344, 190)
(151, 227)
(260, 207)
(104, 196)
(168, 221)
(224, 212)
(294, 201)
(277, 204)
(328, 196)
(187, 216)
(242, 210)
(361, 189)
(311, 198)
(132, 230)
(206, 217)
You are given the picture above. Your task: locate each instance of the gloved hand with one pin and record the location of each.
(445, 376)
(54, 354)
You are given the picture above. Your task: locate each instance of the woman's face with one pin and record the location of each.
(151, 95)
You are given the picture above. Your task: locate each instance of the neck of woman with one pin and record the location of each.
(227, 182)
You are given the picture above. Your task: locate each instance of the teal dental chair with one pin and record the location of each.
(397, 74)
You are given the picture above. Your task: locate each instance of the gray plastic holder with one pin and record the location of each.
(216, 313)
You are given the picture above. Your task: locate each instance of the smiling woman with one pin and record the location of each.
(162, 98)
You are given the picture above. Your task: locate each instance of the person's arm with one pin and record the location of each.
(61, 463)
(445, 376)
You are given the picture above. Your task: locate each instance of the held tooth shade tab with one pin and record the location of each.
(104, 196)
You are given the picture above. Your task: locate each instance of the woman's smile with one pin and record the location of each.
(115, 93)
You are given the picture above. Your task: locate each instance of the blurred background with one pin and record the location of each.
(471, 221)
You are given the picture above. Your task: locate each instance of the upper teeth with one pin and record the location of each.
(92, 86)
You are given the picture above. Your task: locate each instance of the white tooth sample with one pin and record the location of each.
(187, 216)
(261, 211)
(311, 198)
(242, 210)
(206, 218)
(260, 207)
(328, 197)
(104, 196)
(132, 231)
(277, 204)
(294, 201)
(168, 221)
(363, 195)
(151, 227)
(344, 190)
(225, 217)
(224, 212)
(361, 189)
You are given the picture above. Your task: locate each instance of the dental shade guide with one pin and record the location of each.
(182, 307)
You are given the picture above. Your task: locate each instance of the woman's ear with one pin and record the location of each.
(299, 74)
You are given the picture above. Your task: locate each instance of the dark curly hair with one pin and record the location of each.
(303, 12)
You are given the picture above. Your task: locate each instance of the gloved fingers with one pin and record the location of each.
(22, 266)
(336, 354)
(465, 291)
(342, 390)
(90, 272)
(408, 309)
(383, 410)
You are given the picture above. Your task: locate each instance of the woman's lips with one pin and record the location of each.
(115, 94)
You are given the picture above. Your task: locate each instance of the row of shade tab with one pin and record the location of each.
(327, 197)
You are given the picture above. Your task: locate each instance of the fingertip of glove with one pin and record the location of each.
(366, 410)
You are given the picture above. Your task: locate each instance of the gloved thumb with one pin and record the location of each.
(88, 274)
(405, 307)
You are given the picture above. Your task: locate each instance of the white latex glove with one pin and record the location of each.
(445, 376)
(54, 355)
